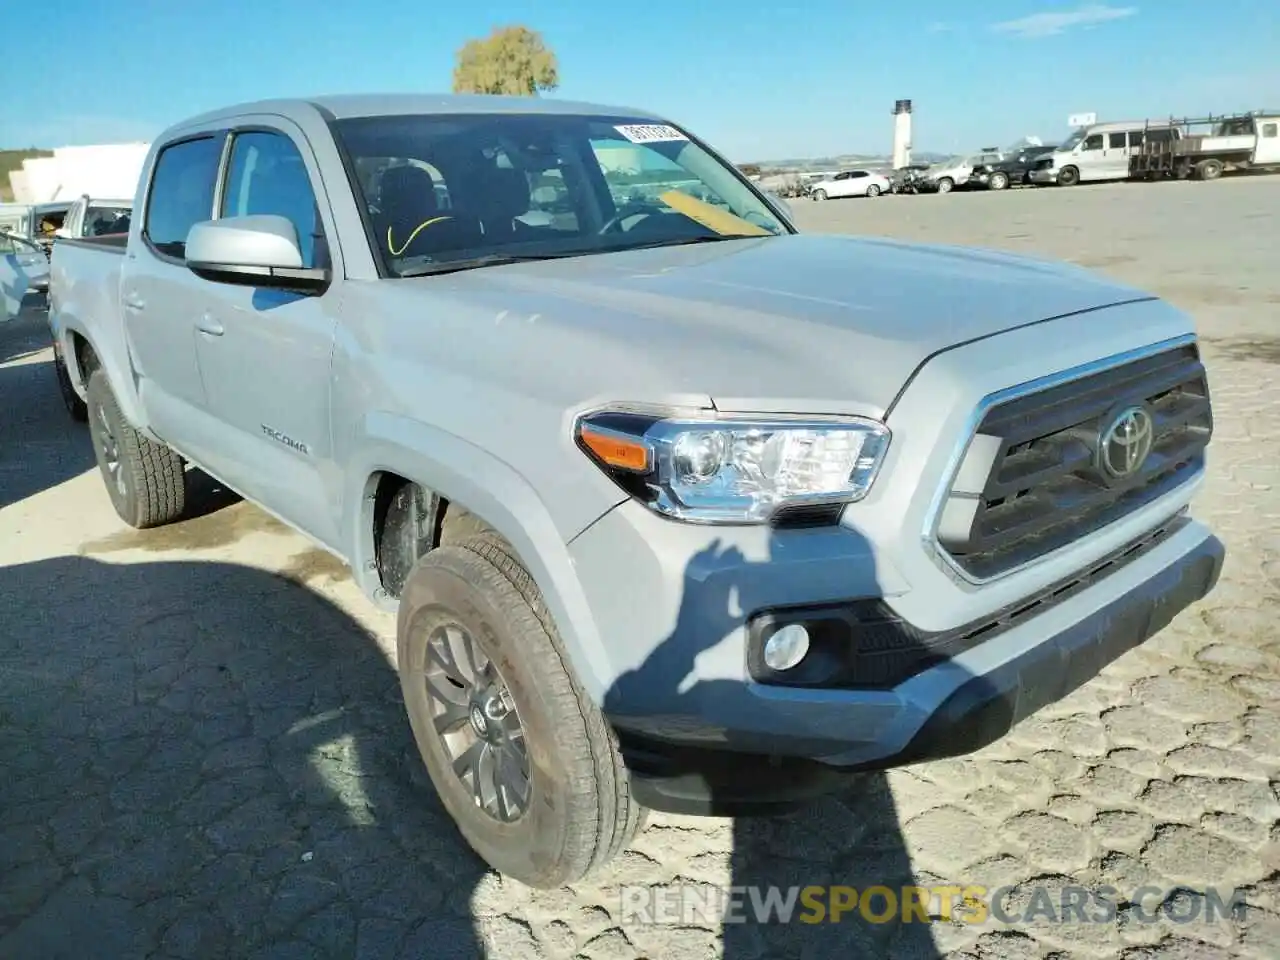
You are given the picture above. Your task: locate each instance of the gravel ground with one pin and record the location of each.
(204, 754)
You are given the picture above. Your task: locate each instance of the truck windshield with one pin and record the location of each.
(1072, 141)
(491, 188)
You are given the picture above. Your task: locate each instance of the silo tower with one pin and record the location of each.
(901, 134)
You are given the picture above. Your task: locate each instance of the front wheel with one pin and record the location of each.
(998, 181)
(819, 194)
(144, 479)
(1068, 177)
(523, 761)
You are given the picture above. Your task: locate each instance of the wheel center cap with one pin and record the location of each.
(478, 721)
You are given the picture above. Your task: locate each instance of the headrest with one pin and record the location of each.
(503, 192)
(408, 188)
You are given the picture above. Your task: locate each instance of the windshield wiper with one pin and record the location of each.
(473, 263)
(682, 241)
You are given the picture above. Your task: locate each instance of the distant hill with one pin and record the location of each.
(11, 160)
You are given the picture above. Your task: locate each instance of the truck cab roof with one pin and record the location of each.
(346, 106)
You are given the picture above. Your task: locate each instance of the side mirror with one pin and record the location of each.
(255, 251)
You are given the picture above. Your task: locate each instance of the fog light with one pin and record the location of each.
(787, 647)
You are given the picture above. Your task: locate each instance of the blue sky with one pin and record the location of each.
(760, 81)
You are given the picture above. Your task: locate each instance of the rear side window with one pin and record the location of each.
(1268, 130)
(181, 192)
(1116, 141)
(267, 175)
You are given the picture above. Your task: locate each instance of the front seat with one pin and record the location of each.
(504, 193)
(411, 222)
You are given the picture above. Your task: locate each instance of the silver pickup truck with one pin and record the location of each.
(680, 508)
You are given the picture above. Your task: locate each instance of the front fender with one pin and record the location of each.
(489, 487)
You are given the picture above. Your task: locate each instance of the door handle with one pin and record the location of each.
(210, 325)
(134, 302)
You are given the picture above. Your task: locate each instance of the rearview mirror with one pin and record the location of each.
(254, 251)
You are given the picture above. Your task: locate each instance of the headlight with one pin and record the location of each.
(731, 469)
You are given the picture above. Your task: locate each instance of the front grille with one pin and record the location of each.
(1033, 478)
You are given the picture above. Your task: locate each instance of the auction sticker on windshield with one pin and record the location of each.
(649, 132)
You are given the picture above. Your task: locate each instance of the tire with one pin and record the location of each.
(144, 479)
(946, 185)
(460, 525)
(1209, 169)
(998, 181)
(873, 191)
(819, 194)
(578, 812)
(1068, 177)
(76, 407)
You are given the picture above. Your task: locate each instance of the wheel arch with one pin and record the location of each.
(456, 475)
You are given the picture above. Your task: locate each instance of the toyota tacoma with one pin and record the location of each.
(679, 508)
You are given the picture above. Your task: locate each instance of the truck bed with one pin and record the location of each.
(84, 290)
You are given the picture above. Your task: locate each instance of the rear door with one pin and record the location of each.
(264, 355)
(162, 301)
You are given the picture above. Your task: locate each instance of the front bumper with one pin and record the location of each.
(951, 709)
(1043, 176)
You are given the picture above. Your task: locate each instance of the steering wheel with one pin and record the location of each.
(626, 212)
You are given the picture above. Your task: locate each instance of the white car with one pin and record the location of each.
(850, 183)
(23, 268)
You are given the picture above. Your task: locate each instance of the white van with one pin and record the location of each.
(1100, 151)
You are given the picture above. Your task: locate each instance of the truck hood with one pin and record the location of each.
(800, 323)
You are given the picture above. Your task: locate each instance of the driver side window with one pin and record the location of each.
(1093, 142)
(267, 175)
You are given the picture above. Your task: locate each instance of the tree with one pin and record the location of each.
(749, 169)
(511, 60)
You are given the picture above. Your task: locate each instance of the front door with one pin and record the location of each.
(23, 266)
(264, 355)
(1268, 149)
(1090, 161)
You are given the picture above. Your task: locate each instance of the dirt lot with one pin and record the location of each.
(203, 752)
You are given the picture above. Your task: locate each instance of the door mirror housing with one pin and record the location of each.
(254, 251)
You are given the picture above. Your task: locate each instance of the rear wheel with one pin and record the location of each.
(873, 190)
(1209, 169)
(523, 761)
(76, 407)
(946, 185)
(144, 479)
(1068, 177)
(998, 181)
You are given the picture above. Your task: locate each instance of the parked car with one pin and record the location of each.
(678, 508)
(37, 222)
(954, 172)
(93, 217)
(24, 269)
(1013, 169)
(850, 183)
(1100, 151)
